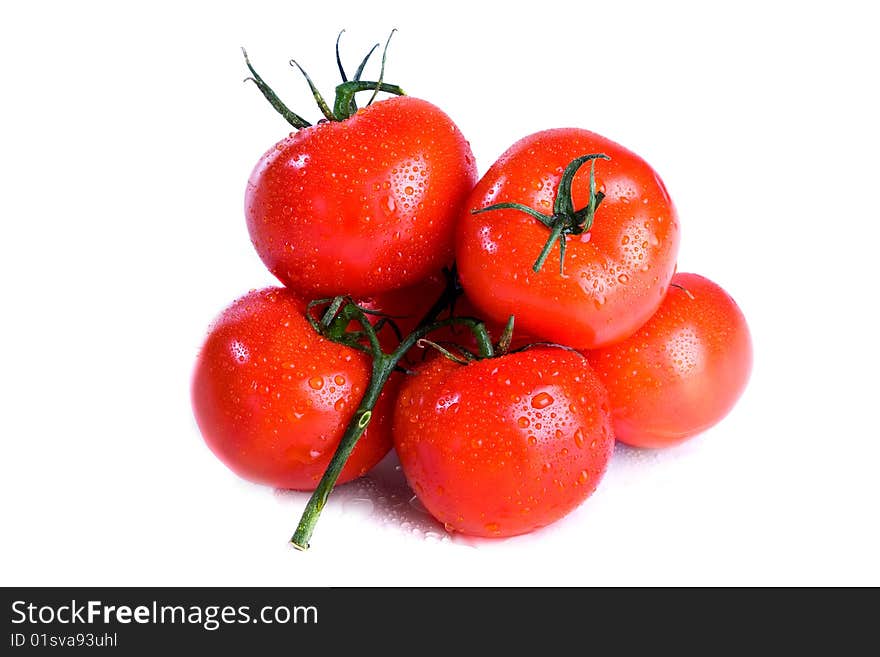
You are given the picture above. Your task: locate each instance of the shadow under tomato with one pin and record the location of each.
(383, 497)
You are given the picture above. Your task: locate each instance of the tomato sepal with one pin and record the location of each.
(565, 220)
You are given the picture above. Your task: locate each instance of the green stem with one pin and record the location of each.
(331, 311)
(319, 99)
(506, 337)
(382, 69)
(555, 235)
(344, 105)
(290, 116)
(382, 369)
(339, 59)
(565, 220)
(547, 220)
(360, 69)
(443, 351)
(345, 94)
(357, 76)
(383, 366)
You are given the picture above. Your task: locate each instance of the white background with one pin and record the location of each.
(126, 139)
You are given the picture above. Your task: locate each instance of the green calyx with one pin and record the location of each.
(344, 105)
(565, 220)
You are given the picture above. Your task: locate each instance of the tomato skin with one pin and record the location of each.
(363, 205)
(683, 371)
(272, 397)
(503, 446)
(616, 274)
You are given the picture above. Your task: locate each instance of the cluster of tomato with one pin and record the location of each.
(501, 383)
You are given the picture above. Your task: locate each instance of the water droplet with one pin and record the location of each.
(493, 527)
(388, 206)
(339, 406)
(408, 190)
(239, 351)
(583, 477)
(316, 383)
(541, 400)
(523, 422)
(623, 279)
(579, 437)
(339, 380)
(533, 440)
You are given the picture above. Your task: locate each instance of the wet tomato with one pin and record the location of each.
(506, 445)
(363, 205)
(272, 397)
(683, 371)
(616, 270)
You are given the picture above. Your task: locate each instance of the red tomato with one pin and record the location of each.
(681, 372)
(503, 446)
(616, 273)
(363, 205)
(272, 397)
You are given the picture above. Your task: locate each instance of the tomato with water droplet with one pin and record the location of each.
(683, 371)
(320, 225)
(615, 272)
(272, 397)
(514, 453)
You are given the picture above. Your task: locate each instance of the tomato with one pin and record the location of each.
(615, 273)
(272, 397)
(363, 205)
(503, 446)
(683, 371)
